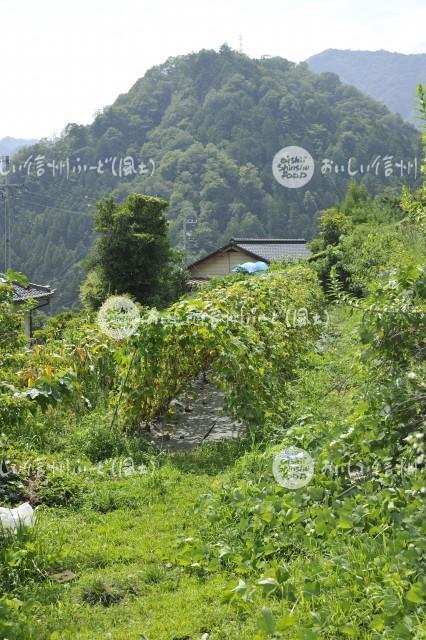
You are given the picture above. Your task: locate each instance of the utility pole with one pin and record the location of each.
(240, 41)
(187, 234)
(4, 191)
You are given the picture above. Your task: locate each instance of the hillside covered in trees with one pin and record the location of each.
(388, 77)
(201, 131)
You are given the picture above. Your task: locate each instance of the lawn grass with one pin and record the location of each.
(130, 552)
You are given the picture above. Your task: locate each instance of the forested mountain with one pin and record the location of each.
(202, 130)
(388, 77)
(9, 146)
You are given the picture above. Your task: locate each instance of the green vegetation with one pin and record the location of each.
(129, 556)
(212, 122)
(131, 542)
(132, 254)
(239, 328)
(62, 406)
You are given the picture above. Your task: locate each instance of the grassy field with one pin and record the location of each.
(205, 545)
(127, 584)
(119, 545)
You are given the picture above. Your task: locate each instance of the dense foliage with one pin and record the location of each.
(55, 399)
(212, 123)
(240, 330)
(132, 254)
(344, 556)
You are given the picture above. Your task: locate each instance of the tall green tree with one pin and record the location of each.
(132, 253)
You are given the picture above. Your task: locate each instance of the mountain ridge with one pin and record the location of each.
(9, 145)
(388, 76)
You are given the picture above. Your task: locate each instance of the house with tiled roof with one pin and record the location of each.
(240, 250)
(37, 294)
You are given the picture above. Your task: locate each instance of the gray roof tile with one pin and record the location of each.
(31, 292)
(274, 248)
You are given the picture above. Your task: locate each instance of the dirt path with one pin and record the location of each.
(195, 417)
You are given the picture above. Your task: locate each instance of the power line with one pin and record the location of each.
(27, 203)
(69, 266)
(38, 197)
(29, 199)
(38, 194)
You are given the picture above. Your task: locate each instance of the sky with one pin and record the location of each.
(65, 59)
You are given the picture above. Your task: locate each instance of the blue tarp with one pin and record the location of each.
(251, 267)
